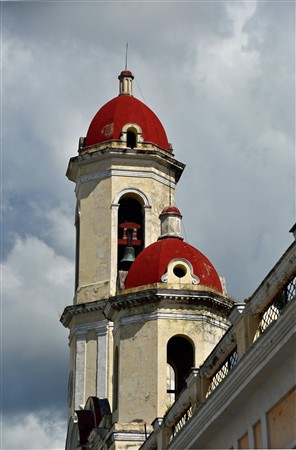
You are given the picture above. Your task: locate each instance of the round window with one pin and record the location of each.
(180, 270)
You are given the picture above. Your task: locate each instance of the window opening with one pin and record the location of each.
(180, 356)
(130, 230)
(131, 139)
(77, 247)
(171, 385)
(115, 381)
(180, 271)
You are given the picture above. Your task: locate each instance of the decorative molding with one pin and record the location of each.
(101, 327)
(188, 276)
(167, 315)
(138, 192)
(199, 297)
(81, 308)
(118, 149)
(127, 436)
(127, 173)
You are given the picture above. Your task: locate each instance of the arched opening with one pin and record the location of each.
(131, 138)
(77, 247)
(171, 385)
(180, 356)
(180, 270)
(130, 230)
(115, 381)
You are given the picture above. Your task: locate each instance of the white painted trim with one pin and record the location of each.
(264, 430)
(251, 436)
(100, 327)
(158, 315)
(127, 173)
(102, 364)
(130, 190)
(121, 436)
(170, 277)
(131, 125)
(79, 386)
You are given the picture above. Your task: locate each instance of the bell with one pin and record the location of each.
(128, 257)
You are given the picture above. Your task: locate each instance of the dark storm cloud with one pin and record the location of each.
(37, 283)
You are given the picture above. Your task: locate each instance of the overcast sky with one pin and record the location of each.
(220, 76)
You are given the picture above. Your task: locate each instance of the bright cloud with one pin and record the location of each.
(37, 285)
(43, 430)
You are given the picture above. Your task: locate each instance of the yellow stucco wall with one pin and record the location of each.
(281, 421)
(102, 183)
(143, 355)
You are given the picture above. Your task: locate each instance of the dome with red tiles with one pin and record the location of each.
(152, 263)
(125, 109)
(171, 210)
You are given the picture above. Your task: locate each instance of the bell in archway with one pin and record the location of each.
(129, 251)
(128, 258)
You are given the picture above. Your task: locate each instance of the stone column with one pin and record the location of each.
(102, 360)
(80, 337)
(113, 262)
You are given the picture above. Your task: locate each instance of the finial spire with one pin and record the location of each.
(170, 223)
(126, 49)
(126, 82)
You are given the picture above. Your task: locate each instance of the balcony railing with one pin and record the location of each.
(223, 371)
(179, 425)
(275, 309)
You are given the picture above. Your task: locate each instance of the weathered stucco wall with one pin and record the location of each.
(100, 186)
(141, 335)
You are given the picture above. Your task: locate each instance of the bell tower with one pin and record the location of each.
(147, 306)
(124, 174)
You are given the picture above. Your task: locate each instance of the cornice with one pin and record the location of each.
(157, 294)
(83, 308)
(171, 297)
(171, 315)
(125, 301)
(117, 144)
(126, 156)
(126, 173)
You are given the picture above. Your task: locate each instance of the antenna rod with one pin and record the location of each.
(126, 48)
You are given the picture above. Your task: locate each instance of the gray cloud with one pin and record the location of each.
(221, 78)
(37, 285)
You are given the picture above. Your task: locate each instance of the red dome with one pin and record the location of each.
(152, 262)
(171, 210)
(109, 120)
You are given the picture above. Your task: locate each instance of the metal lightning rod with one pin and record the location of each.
(126, 48)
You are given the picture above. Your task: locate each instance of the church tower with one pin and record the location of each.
(147, 305)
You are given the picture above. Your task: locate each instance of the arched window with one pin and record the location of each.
(131, 134)
(130, 213)
(171, 384)
(115, 381)
(131, 138)
(77, 246)
(180, 357)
